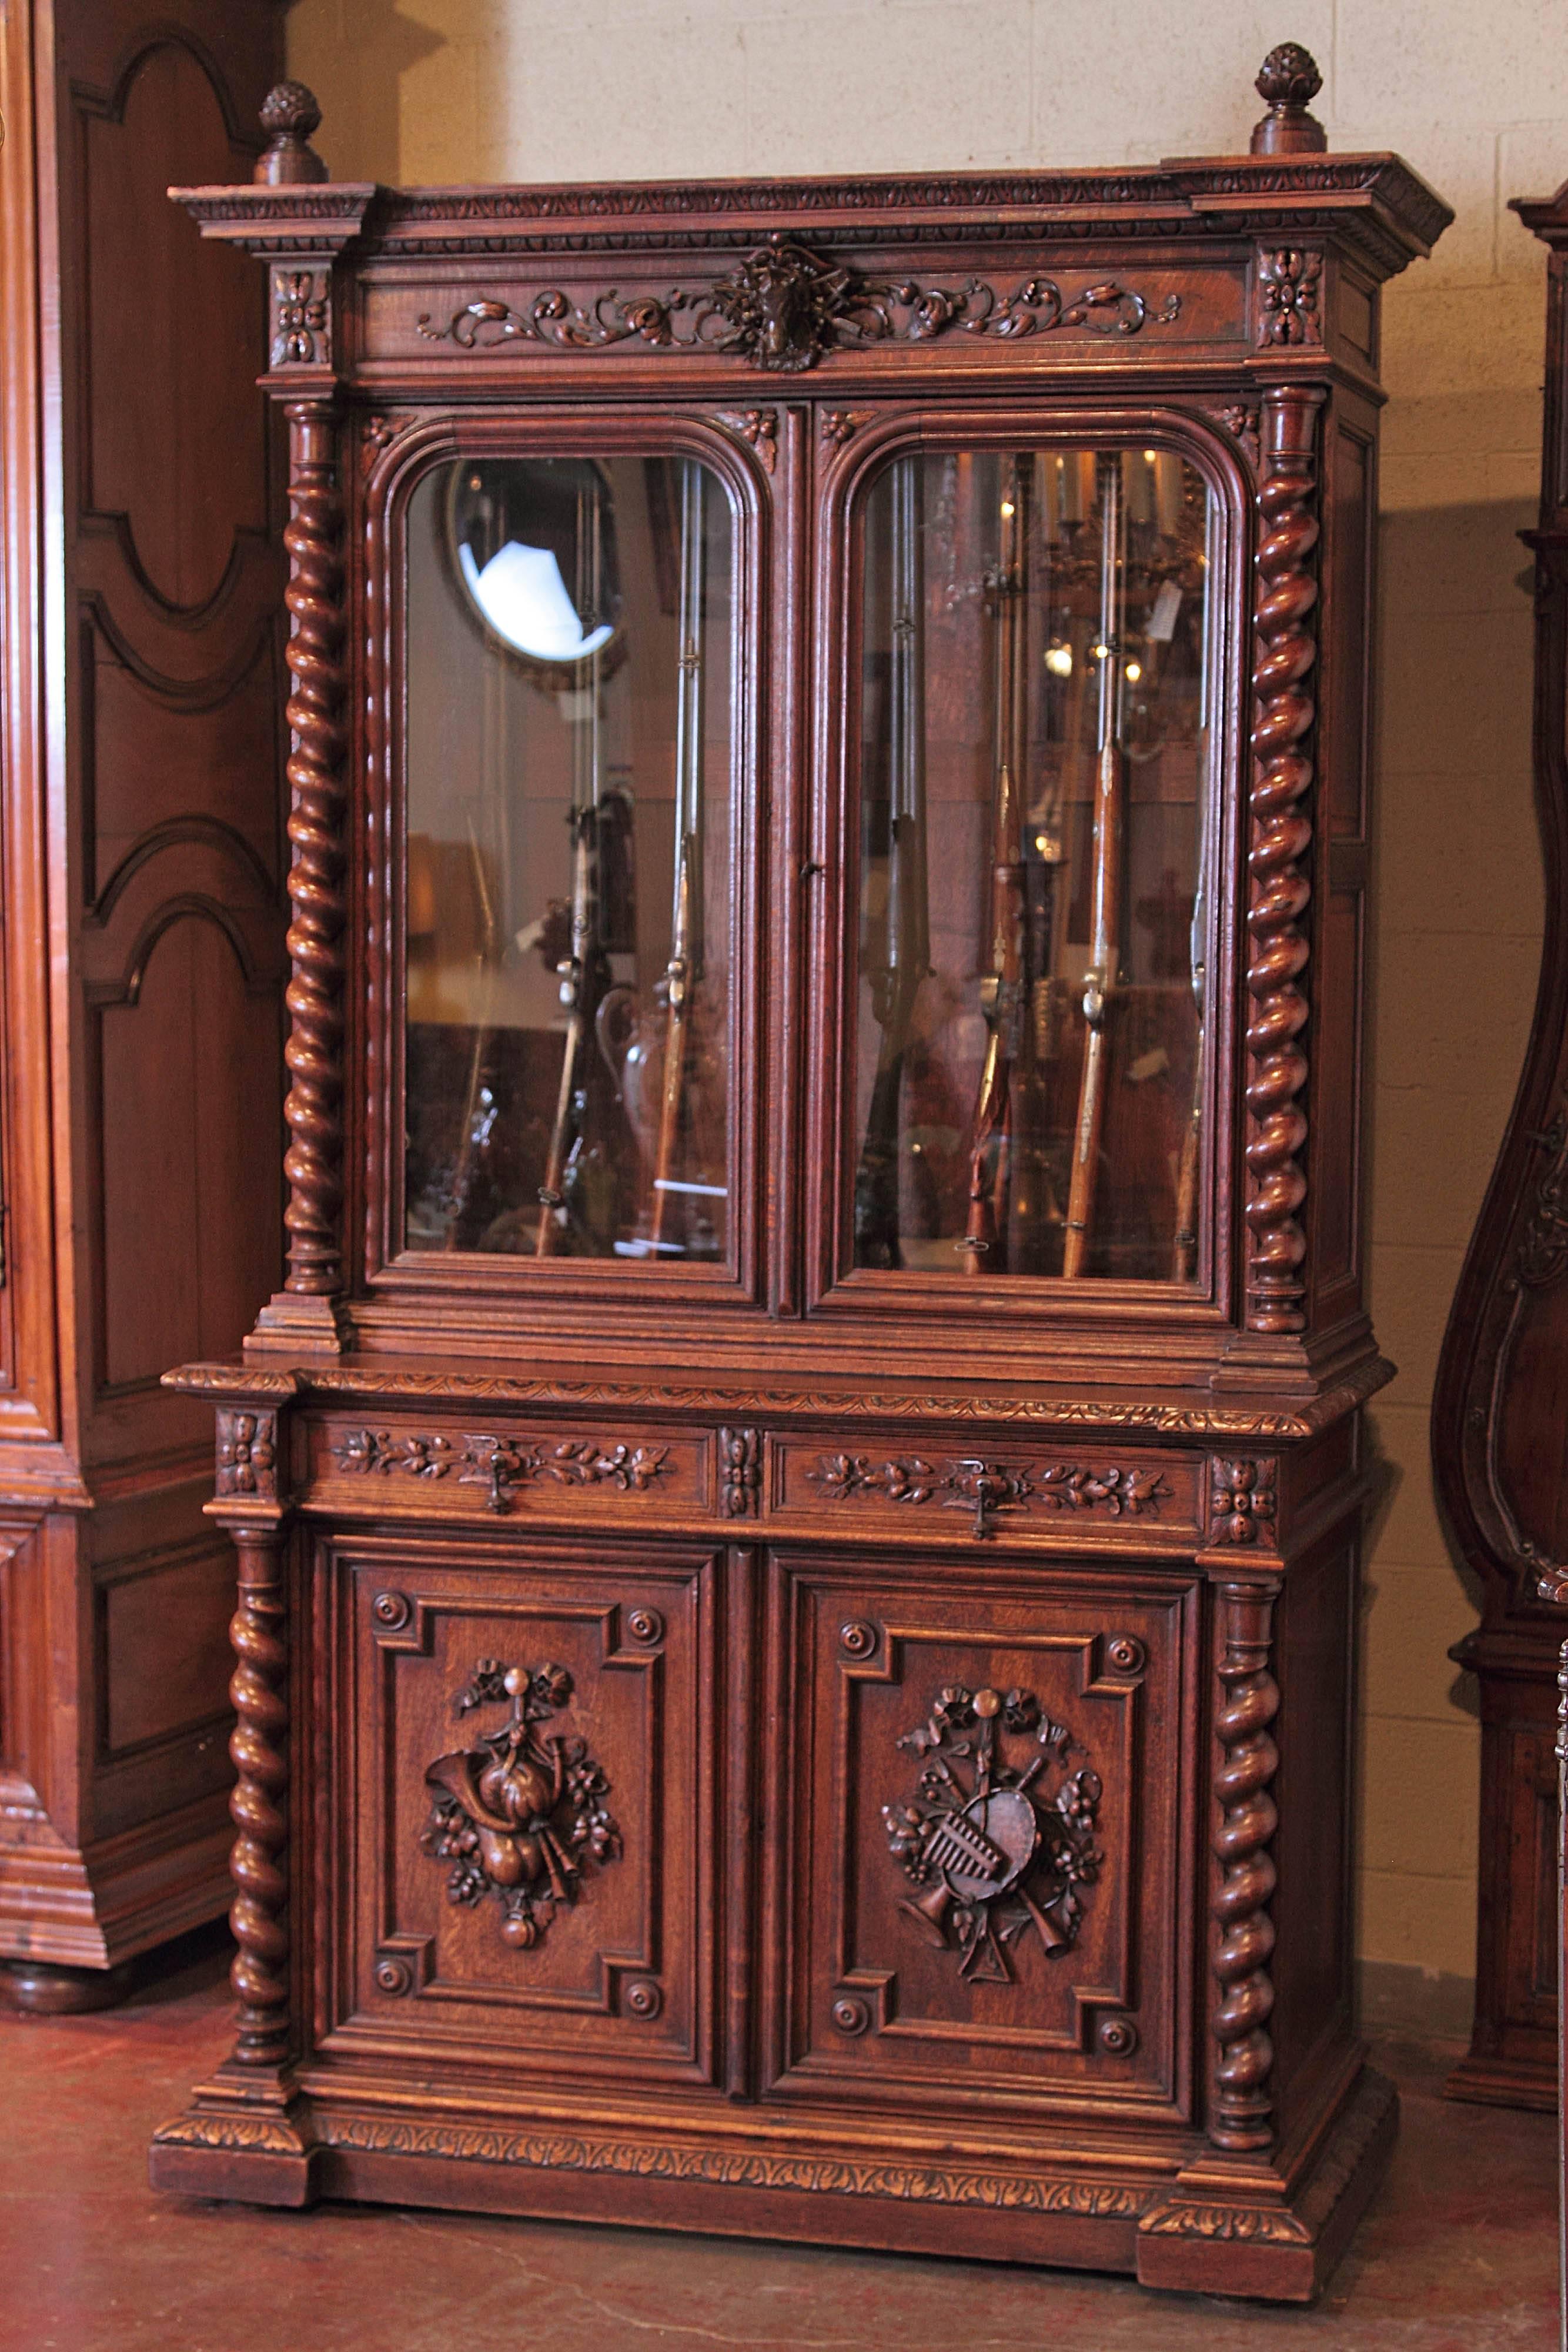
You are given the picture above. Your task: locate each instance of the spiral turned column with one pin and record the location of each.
(1240, 2109)
(1283, 717)
(317, 686)
(259, 1746)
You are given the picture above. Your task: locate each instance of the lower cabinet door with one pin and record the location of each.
(989, 1810)
(518, 1743)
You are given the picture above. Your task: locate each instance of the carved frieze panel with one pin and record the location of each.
(500, 1465)
(522, 1814)
(784, 308)
(989, 1489)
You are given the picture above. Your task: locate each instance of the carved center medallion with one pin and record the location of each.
(993, 1845)
(517, 1814)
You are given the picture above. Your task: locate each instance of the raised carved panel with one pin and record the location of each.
(534, 1792)
(1003, 1493)
(496, 1469)
(981, 1832)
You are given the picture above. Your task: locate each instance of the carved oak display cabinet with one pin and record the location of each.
(797, 1510)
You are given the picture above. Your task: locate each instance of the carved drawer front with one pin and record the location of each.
(489, 1467)
(935, 1491)
(985, 1856)
(527, 1808)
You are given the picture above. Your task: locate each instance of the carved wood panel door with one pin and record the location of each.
(983, 1852)
(526, 1805)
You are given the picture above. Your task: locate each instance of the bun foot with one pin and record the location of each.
(41, 1989)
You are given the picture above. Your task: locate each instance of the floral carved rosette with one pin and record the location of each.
(1001, 1836)
(517, 1814)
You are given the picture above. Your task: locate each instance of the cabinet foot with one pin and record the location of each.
(1209, 2239)
(235, 2152)
(44, 1989)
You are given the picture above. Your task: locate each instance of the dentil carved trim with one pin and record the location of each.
(1289, 286)
(1240, 2109)
(313, 1109)
(301, 319)
(758, 426)
(996, 1855)
(1242, 1502)
(740, 1472)
(785, 307)
(501, 1465)
(518, 1815)
(989, 1487)
(1283, 717)
(739, 2168)
(258, 1747)
(247, 1454)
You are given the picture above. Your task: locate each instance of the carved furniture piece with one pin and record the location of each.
(798, 1506)
(1498, 1450)
(142, 969)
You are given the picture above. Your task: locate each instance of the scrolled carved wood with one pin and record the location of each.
(786, 307)
(501, 1465)
(988, 1488)
(519, 1815)
(1283, 719)
(258, 1747)
(1240, 2108)
(993, 1853)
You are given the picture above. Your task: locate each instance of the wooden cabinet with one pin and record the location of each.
(1498, 1456)
(798, 1508)
(142, 966)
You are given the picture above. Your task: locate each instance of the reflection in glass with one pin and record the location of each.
(1034, 767)
(568, 791)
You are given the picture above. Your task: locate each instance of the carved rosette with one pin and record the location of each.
(1242, 1502)
(301, 318)
(313, 1109)
(1284, 714)
(988, 1488)
(247, 1454)
(1240, 2109)
(258, 1747)
(993, 1847)
(740, 1472)
(520, 1813)
(1290, 288)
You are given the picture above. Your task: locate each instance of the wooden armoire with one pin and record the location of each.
(142, 965)
(797, 1510)
(1500, 1434)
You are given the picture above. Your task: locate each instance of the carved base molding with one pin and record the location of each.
(292, 2153)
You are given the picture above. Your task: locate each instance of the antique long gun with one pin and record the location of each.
(1005, 1199)
(897, 950)
(684, 970)
(1110, 819)
(585, 976)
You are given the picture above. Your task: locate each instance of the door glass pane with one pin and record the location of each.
(1034, 773)
(570, 787)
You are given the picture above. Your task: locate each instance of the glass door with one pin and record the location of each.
(1033, 776)
(569, 939)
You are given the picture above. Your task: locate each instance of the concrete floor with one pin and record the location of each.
(1459, 2253)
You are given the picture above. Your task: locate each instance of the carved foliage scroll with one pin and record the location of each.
(785, 307)
(520, 1813)
(994, 1847)
(1283, 717)
(988, 1488)
(501, 1465)
(1240, 2109)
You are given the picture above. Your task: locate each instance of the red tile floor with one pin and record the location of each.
(1457, 2254)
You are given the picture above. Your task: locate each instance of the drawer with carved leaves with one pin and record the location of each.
(396, 1467)
(1017, 1492)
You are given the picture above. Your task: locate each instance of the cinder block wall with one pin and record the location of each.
(1476, 99)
